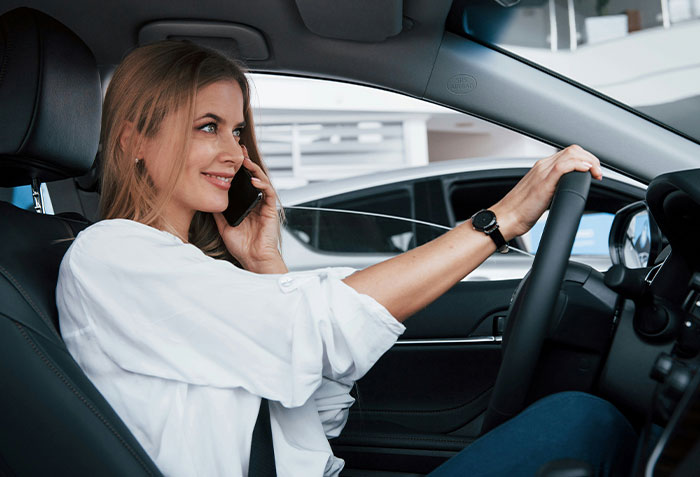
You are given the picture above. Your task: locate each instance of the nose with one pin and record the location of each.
(232, 152)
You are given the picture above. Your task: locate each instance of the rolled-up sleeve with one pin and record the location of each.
(163, 308)
(333, 403)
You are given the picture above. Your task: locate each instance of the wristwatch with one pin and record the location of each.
(485, 221)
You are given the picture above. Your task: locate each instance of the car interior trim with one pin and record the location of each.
(232, 39)
(360, 20)
(452, 341)
(566, 113)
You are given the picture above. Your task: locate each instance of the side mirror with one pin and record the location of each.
(635, 240)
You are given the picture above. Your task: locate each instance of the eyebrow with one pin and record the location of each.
(218, 119)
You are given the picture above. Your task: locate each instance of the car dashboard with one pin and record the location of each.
(658, 329)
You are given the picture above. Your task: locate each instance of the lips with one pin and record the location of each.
(222, 181)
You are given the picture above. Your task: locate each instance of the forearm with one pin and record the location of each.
(413, 280)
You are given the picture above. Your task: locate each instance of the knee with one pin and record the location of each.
(587, 413)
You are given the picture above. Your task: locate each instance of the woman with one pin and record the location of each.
(184, 323)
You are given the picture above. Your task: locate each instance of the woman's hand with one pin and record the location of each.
(255, 241)
(518, 211)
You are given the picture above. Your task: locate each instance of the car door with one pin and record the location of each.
(424, 400)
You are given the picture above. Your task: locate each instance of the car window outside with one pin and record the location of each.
(330, 232)
(21, 196)
(640, 53)
(303, 144)
(591, 237)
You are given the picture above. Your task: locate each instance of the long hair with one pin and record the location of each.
(152, 82)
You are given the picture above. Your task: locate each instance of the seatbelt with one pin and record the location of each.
(262, 454)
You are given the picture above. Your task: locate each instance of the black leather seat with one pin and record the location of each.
(54, 421)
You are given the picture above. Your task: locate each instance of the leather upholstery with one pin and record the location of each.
(54, 421)
(50, 127)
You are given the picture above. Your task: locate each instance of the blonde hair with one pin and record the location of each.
(152, 82)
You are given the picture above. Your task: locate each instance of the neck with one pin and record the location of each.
(177, 221)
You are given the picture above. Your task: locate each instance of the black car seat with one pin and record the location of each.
(54, 421)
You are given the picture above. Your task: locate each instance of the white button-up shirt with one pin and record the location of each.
(182, 346)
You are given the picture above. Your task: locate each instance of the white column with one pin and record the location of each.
(665, 14)
(297, 172)
(415, 142)
(553, 33)
(573, 35)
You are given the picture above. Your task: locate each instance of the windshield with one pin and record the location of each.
(642, 53)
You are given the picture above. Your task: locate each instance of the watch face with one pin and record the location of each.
(484, 219)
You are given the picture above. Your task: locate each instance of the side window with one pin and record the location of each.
(18, 196)
(425, 162)
(372, 227)
(591, 238)
(388, 236)
(311, 130)
(591, 242)
(361, 231)
(396, 202)
(21, 196)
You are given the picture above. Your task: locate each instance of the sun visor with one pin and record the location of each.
(357, 20)
(233, 40)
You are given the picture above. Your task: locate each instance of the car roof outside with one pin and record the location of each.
(320, 190)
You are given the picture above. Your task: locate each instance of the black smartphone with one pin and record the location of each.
(242, 197)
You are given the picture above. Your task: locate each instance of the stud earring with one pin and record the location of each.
(136, 160)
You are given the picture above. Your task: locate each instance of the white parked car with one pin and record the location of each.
(365, 219)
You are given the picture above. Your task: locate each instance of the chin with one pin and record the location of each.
(213, 207)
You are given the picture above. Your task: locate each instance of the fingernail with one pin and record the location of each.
(255, 179)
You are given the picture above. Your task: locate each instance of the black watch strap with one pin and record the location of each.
(499, 240)
(485, 221)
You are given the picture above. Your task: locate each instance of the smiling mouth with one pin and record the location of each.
(221, 178)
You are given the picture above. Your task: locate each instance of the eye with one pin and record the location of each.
(209, 128)
(237, 132)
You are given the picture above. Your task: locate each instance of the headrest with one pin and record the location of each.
(51, 100)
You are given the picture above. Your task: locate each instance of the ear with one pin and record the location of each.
(128, 140)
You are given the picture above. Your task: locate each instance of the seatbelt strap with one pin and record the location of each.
(262, 454)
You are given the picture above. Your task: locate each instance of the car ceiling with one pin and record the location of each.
(421, 60)
(402, 62)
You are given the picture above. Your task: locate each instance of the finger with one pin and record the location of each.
(588, 162)
(269, 196)
(248, 162)
(571, 155)
(255, 169)
(567, 165)
(596, 169)
(581, 153)
(261, 181)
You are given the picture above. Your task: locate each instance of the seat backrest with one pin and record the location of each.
(53, 420)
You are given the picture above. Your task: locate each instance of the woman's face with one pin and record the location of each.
(214, 154)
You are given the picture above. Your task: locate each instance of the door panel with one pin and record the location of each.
(425, 401)
(427, 388)
(460, 311)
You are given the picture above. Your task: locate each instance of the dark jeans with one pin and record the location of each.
(568, 425)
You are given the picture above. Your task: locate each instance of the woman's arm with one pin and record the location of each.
(411, 281)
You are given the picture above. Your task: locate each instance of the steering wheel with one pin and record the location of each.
(533, 303)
